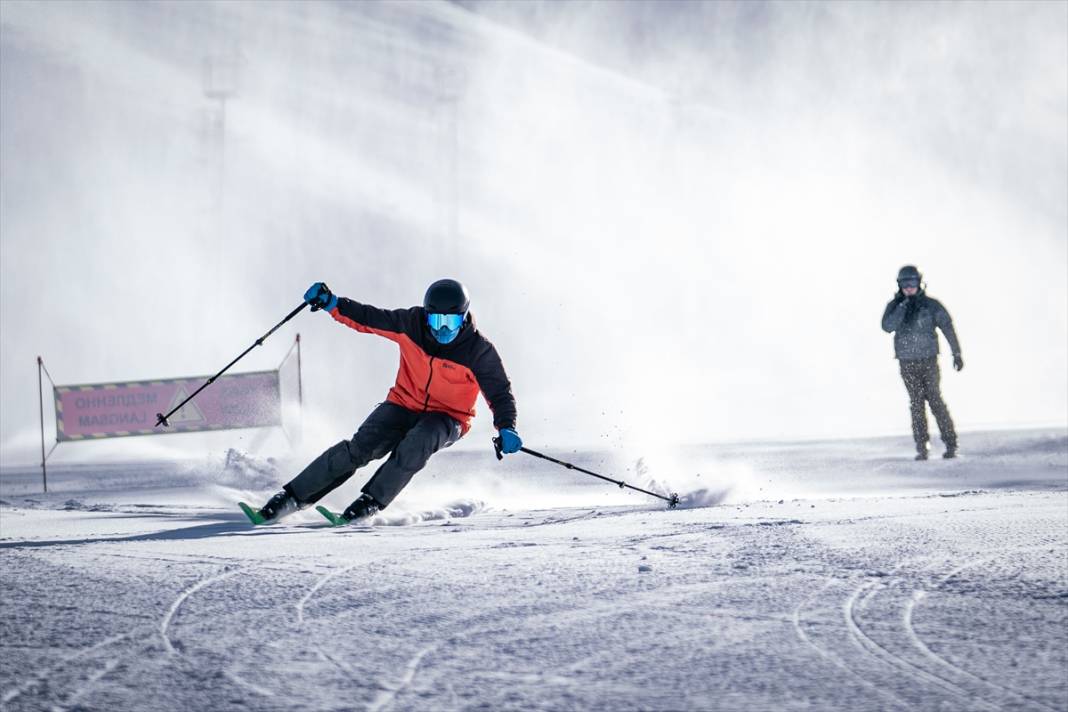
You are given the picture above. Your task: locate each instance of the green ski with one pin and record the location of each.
(336, 519)
(253, 515)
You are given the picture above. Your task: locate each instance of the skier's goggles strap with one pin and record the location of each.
(450, 321)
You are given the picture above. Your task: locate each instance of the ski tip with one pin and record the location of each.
(253, 516)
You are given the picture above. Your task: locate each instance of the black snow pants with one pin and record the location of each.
(409, 437)
(922, 377)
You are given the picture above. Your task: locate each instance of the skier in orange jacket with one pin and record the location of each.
(445, 363)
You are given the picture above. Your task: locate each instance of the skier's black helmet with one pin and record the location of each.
(446, 296)
(909, 276)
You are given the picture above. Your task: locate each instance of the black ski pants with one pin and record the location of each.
(409, 437)
(922, 381)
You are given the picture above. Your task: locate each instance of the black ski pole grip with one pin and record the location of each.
(497, 448)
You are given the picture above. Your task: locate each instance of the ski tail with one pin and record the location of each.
(336, 519)
(253, 515)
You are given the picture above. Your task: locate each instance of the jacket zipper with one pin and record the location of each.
(430, 377)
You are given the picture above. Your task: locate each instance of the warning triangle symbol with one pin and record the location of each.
(188, 413)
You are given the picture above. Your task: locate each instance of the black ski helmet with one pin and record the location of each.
(908, 272)
(446, 296)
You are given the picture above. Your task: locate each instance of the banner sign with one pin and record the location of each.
(111, 410)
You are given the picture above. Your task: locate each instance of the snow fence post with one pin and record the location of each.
(40, 400)
(300, 395)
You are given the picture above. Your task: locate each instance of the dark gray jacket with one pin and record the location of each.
(913, 322)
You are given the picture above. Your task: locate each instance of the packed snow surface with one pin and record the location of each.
(817, 576)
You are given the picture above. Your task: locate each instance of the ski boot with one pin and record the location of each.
(365, 506)
(921, 451)
(279, 505)
(951, 452)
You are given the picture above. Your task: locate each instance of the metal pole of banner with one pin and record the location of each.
(300, 394)
(300, 385)
(40, 395)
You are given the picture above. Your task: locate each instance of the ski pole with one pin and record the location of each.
(672, 501)
(161, 419)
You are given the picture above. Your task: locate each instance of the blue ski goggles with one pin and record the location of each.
(445, 327)
(452, 322)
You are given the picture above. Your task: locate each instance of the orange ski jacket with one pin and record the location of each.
(444, 378)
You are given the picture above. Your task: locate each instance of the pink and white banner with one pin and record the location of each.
(110, 410)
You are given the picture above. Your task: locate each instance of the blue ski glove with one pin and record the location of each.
(320, 297)
(510, 441)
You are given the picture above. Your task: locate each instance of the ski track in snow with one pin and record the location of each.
(182, 597)
(916, 673)
(569, 615)
(386, 697)
(172, 611)
(919, 595)
(388, 692)
(864, 594)
(837, 659)
(91, 681)
(877, 587)
(302, 602)
(43, 676)
(322, 581)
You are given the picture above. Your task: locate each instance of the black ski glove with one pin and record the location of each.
(958, 362)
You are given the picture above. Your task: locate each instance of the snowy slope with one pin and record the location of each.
(820, 576)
